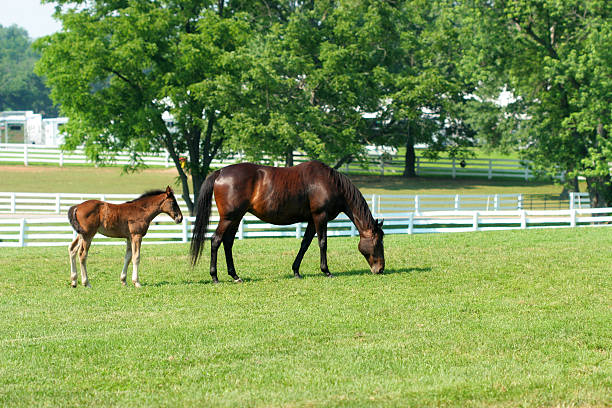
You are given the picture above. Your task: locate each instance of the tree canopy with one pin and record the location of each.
(20, 88)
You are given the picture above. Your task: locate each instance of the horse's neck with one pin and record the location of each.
(361, 219)
(151, 208)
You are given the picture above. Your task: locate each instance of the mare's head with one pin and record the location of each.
(170, 206)
(371, 247)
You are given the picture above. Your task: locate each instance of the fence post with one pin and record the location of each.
(454, 169)
(572, 197)
(374, 199)
(61, 158)
(241, 229)
(57, 204)
(416, 204)
(298, 230)
(411, 223)
(519, 203)
(496, 202)
(22, 223)
(523, 219)
(490, 176)
(475, 221)
(185, 237)
(25, 154)
(13, 203)
(167, 159)
(573, 218)
(456, 202)
(526, 173)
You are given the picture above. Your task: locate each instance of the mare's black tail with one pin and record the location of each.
(203, 208)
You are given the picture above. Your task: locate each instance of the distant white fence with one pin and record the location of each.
(38, 154)
(55, 231)
(385, 204)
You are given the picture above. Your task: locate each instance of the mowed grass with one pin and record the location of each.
(512, 318)
(108, 180)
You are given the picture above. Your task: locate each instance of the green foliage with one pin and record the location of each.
(478, 319)
(555, 57)
(20, 88)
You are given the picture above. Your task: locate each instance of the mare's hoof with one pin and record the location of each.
(73, 284)
(238, 280)
(329, 275)
(298, 276)
(123, 283)
(137, 285)
(87, 285)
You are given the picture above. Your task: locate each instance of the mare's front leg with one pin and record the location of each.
(320, 223)
(308, 235)
(73, 250)
(126, 262)
(136, 241)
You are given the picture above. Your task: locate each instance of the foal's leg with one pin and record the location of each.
(73, 249)
(136, 240)
(128, 258)
(83, 251)
(308, 235)
(320, 223)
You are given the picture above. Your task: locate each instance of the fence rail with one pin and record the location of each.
(380, 204)
(56, 231)
(37, 154)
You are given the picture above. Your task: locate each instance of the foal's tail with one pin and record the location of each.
(73, 220)
(203, 208)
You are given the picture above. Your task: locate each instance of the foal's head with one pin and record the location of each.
(371, 247)
(170, 206)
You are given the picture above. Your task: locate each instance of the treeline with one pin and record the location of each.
(328, 77)
(20, 87)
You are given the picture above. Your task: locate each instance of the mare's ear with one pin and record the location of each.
(169, 191)
(380, 223)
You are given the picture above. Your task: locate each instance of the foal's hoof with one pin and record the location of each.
(73, 284)
(87, 285)
(238, 280)
(137, 285)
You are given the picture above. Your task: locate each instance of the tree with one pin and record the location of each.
(118, 68)
(20, 88)
(556, 58)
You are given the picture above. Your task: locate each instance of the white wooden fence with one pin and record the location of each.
(37, 154)
(56, 231)
(389, 205)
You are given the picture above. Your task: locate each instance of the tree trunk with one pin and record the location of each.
(289, 157)
(410, 159)
(600, 191)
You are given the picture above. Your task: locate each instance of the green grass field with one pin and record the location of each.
(500, 319)
(109, 180)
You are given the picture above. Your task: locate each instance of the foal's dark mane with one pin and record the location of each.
(354, 199)
(147, 194)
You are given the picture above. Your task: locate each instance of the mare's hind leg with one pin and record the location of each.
(228, 242)
(83, 250)
(320, 223)
(73, 249)
(308, 235)
(225, 228)
(126, 262)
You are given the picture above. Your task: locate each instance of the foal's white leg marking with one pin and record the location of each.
(128, 258)
(84, 249)
(136, 240)
(73, 249)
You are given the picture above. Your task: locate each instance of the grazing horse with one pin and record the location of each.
(309, 192)
(129, 220)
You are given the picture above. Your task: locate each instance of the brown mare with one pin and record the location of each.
(129, 220)
(309, 192)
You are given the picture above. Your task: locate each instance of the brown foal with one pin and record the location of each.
(129, 220)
